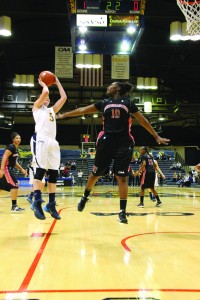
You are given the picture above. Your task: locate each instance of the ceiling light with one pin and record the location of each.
(5, 26)
(95, 116)
(131, 29)
(80, 60)
(154, 83)
(175, 31)
(96, 61)
(82, 45)
(184, 34)
(23, 80)
(147, 84)
(30, 80)
(147, 107)
(16, 81)
(140, 83)
(83, 29)
(125, 45)
(88, 61)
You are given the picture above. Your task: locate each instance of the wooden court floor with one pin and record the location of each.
(89, 255)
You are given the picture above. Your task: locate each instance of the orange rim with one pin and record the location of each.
(189, 3)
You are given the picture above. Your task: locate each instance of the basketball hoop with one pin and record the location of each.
(191, 11)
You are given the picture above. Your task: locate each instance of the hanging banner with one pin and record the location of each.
(120, 66)
(63, 62)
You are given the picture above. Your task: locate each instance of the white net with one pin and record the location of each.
(191, 11)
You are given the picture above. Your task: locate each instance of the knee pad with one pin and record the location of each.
(53, 176)
(39, 174)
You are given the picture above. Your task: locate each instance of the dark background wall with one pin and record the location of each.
(70, 135)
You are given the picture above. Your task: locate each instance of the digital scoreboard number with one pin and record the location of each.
(108, 7)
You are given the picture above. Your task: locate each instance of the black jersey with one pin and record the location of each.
(116, 114)
(11, 162)
(149, 162)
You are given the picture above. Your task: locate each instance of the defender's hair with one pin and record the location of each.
(13, 135)
(145, 149)
(125, 87)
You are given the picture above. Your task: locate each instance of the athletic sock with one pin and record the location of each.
(52, 197)
(14, 203)
(157, 198)
(86, 193)
(123, 203)
(142, 199)
(37, 195)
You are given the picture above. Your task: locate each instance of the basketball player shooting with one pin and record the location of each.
(45, 149)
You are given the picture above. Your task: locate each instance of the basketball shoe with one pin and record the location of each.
(29, 199)
(38, 212)
(16, 208)
(140, 205)
(122, 216)
(159, 203)
(81, 204)
(51, 208)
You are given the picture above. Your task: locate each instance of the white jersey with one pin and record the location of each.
(45, 121)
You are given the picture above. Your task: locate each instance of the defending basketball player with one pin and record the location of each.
(45, 149)
(115, 140)
(147, 170)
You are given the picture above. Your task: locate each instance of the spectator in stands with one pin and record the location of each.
(115, 141)
(147, 170)
(62, 167)
(79, 178)
(187, 181)
(73, 165)
(194, 174)
(175, 177)
(178, 166)
(137, 179)
(158, 174)
(173, 166)
(8, 179)
(45, 148)
(68, 165)
(72, 177)
(65, 172)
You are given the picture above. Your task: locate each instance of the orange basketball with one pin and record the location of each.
(47, 77)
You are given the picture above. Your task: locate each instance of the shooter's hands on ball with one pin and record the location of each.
(42, 83)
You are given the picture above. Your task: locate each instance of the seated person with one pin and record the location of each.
(68, 165)
(65, 172)
(187, 181)
(73, 165)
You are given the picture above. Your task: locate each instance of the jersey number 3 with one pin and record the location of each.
(51, 118)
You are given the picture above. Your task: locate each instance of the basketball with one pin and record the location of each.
(47, 77)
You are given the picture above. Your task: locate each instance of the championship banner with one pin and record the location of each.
(63, 62)
(120, 66)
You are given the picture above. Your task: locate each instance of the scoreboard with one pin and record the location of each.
(133, 7)
(107, 23)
